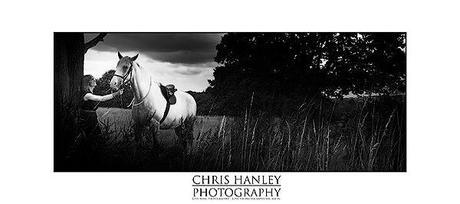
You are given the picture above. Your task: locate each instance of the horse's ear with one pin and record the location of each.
(135, 57)
(119, 55)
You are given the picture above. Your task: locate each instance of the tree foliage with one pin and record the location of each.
(277, 70)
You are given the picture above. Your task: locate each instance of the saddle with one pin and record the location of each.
(168, 93)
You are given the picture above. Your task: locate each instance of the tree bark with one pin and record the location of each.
(69, 50)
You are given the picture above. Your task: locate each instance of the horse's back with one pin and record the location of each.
(183, 109)
(187, 103)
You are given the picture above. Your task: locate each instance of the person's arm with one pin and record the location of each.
(92, 97)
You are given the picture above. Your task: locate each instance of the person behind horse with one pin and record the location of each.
(90, 101)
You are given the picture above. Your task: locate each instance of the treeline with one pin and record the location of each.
(277, 72)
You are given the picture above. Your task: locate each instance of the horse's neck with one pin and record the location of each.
(143, 84)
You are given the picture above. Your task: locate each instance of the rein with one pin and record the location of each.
(133, 103)
(143, 98)
(130, 70)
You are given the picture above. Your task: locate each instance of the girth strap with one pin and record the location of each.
(166, 111)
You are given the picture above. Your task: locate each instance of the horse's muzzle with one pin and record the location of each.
(114, 87)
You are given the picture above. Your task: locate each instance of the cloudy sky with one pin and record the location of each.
(183, 59)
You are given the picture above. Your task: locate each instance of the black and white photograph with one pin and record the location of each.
(294, 101)
(230, 102)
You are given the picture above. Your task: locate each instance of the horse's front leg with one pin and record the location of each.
(138, 131)
(139, 128)
(185, 134)
(138, 125)
(154, 129)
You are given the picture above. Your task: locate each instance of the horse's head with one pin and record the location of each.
(122, 71)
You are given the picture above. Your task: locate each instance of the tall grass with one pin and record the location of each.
(367, 134)
(370, 136)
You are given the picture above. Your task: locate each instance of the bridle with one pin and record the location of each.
(133, 103)
(129, 72)
(124, 77)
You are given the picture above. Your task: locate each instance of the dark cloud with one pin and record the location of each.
(183, 56)
(181, 48)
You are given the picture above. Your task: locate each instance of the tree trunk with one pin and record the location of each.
(69, 49)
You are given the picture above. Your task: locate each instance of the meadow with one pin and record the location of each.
(361, 134)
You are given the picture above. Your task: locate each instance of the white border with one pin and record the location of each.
(27, 100)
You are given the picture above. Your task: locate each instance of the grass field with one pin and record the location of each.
(347, 135)
(119, 120)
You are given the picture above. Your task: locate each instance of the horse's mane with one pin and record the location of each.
(147, 72)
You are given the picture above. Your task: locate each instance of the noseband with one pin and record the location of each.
(130, 70)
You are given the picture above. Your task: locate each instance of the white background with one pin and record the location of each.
(26, 146)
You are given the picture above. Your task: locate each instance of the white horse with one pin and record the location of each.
(150, 108)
